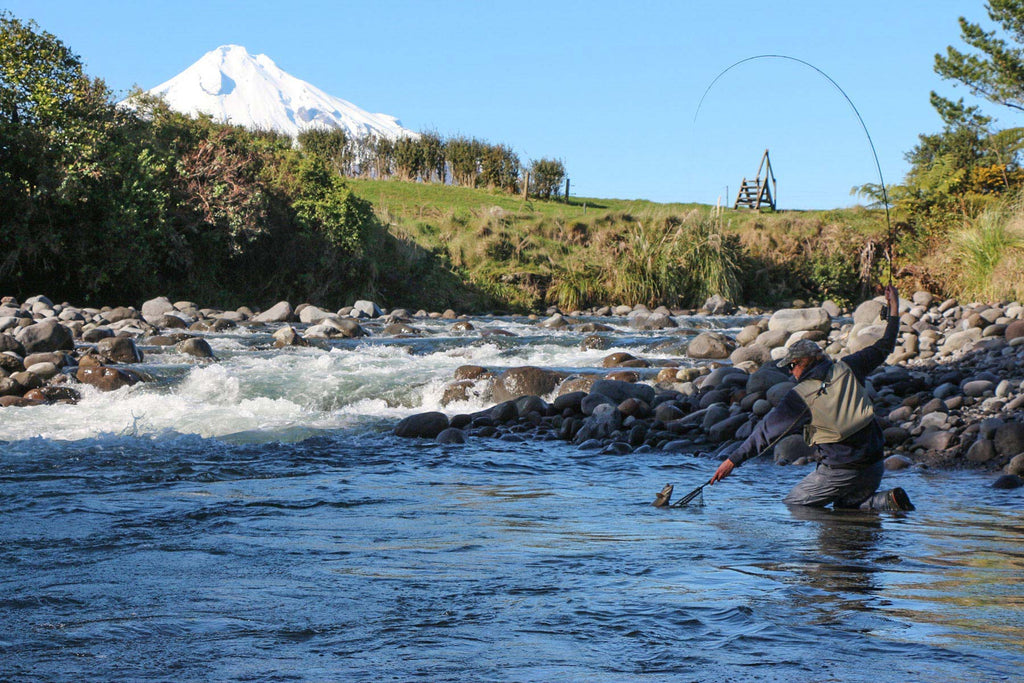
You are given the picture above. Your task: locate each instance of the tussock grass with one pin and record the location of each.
(990, 253)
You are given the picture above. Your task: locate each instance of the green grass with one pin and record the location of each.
(591, 251)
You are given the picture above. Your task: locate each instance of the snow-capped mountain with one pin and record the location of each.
(236, 87)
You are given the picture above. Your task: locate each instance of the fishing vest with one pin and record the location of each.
(839, 406)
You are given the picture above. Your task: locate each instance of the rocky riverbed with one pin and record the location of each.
(950, 397)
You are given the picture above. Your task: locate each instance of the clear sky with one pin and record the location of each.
(611, 88)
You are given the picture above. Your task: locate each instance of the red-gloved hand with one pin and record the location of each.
(723, 471)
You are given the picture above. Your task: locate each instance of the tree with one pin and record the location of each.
(546, 176)
(996, 71)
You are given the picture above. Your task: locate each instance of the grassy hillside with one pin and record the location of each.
(524, 254)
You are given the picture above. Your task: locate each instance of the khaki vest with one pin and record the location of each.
(839, 406)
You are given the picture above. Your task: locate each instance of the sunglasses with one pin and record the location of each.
(791, 366)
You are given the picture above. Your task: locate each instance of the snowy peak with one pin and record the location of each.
(234, 86)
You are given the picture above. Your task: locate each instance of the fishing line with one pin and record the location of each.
(878, 166)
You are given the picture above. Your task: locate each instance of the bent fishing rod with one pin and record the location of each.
(878, 166)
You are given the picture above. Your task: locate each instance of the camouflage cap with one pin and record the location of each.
(804, 348)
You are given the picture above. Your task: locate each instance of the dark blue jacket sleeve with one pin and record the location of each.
(866, 360)
(786, 418)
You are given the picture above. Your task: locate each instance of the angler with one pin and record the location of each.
(830, 405)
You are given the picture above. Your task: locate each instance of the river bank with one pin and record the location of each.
(951, 396)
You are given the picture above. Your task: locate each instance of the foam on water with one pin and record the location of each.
(257, 394)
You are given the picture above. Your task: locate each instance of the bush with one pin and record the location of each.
(546, 176)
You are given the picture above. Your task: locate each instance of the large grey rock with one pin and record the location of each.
(798, 319)
(778, 391)
(119, 350)
(765, 378)
(287, 336)
(724, 430)
(197, 347)
(791, 448)
(422, 425)
(1009, 439)
(154, 309)
(1016, 465)
(935, 440)
(711, 345)
(48, 335)
(654, 321)
(313, 315)
(981, 451)
(107, 378)
(366, 309)
(619, 391)
(772, 338)
(960, 340)
(281, 312)
(754, 353)
(868, 313)
(525, 381)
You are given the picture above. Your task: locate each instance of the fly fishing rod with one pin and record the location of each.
(878, 166)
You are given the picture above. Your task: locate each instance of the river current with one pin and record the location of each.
(254, 519)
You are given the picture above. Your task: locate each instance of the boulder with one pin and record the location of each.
(798, 319)
(312, 315)
(776, 393)
(287, 336)
(525, 381)
(718, 305)
(1008, 481)
(981, 451)
(555, 322)
(978, 387)
(344, 327)
(1014, 330)
(154, 309)
(451, 436)
(120, 314)
(422, 425)
(366, 309)
(765, 378)
(868, 313)
(44, 370)
(723, 430)
(197, 347)
(935, 440)
(711, 345)
(960, 340)
(754, 353)
(897, 462)
(1009, 439)
(654, 321)
(9, 343)
(791, 448)
(619, 391)
(1016, 465)
(280, 312)
(48, 335)
(106, 378)
(119, 350)
(569, 401)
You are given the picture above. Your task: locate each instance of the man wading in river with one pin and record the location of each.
(831, 406)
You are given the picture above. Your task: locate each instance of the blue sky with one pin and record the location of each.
(610, 88)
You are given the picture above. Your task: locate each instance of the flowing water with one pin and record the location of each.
(254, 519)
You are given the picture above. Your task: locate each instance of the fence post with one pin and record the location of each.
(526, 186)
(566, 190)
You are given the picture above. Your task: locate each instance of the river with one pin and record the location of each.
(254, 519)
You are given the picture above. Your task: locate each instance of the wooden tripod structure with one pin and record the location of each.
(756, 193)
